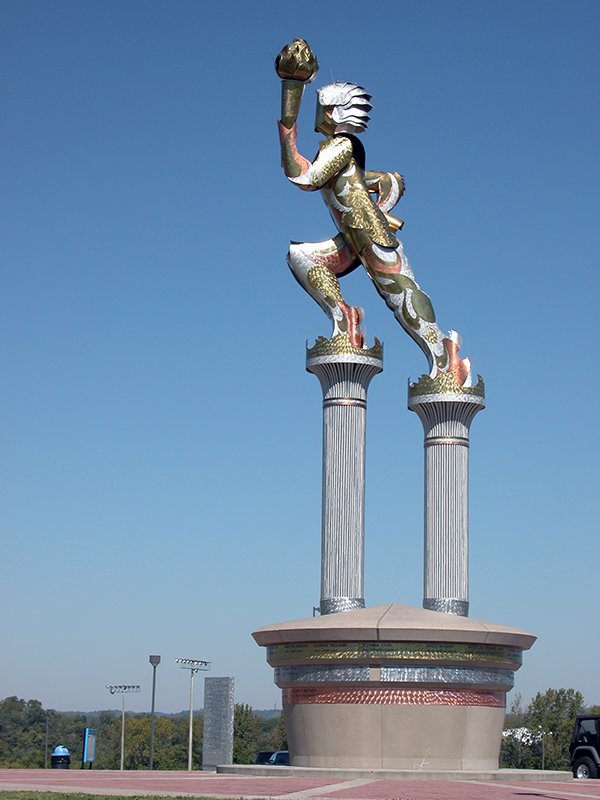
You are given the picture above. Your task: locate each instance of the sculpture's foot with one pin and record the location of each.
(461, 367)
(353, 316)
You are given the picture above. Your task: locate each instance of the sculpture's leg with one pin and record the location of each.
(390, 271)
(316, 267)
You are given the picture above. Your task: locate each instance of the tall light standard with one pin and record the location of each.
(46, 753)
(123, 690)
(155, 661)
(193, 666)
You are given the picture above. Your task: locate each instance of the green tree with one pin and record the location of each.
(553, 715)
(108, 740)
(22, 733)
(280, 736)
(197, 737)
(246, 734)
(170, 744)
(137, 742)
(539, 735)
(515, 750)
(266, 740)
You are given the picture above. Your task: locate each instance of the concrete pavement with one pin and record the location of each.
(289, 787)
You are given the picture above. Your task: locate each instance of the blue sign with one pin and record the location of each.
(89, 745)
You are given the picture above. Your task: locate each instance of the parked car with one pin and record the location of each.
(280, 757)
(264, 756)
(585, 746)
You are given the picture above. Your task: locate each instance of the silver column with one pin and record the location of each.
(344, 379)
(446, 417)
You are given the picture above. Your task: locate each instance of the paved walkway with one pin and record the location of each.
(209, 784)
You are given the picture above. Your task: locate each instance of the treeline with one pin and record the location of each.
(538, 736)
(535, 736)
(23, 737)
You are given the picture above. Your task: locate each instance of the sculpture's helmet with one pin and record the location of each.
(342, 108)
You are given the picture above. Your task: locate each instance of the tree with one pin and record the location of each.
(553, 714)
(280, 737)
(515, 750)
(246, 733)
(137, 742)
(539, 735)
(22, 733)
(197, 741)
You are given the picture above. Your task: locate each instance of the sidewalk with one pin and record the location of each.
(210, 784)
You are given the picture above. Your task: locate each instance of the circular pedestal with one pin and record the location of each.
(394, 736)
(394, 687)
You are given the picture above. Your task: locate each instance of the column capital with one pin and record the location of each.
(344, 371)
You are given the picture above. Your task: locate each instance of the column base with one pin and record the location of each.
(447, 605)
(333, 605)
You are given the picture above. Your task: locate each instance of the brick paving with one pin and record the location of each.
(209, 784)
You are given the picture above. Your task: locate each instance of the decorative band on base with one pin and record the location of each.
(448, 653)
(447, 605)
(334, 605)
(384, 696)
(480, 678)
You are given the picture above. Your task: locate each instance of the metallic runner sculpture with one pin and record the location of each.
(359, 201)
(389, 687)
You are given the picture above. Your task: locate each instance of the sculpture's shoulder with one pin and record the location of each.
(334, 155)
(336, 144)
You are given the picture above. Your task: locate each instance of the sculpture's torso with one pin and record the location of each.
(351, 205)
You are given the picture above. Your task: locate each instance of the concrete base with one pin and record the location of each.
(502, 775)
(394, 736)
(394, 687)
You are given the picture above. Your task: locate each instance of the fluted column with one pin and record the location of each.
(344, 377)
(446, 411)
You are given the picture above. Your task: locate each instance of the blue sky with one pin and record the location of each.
(160, 438)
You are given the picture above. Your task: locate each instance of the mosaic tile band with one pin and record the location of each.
(400, 651)
(404, 697)
(485, 679)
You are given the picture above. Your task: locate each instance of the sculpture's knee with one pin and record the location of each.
(325, 285)
(299, 263)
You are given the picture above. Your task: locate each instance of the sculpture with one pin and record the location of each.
(359, 202)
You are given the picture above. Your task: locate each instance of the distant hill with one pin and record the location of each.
(267, 713)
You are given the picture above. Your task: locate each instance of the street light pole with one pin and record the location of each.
(123, 689)
(155, 661)
(194, 666)
(46, 752)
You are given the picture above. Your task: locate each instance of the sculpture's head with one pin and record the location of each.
(342, 108)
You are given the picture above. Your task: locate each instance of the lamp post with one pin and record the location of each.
(46, 750)
(123, 690)
(155, 661)
(194, 666)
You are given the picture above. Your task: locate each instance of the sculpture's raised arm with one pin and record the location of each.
(296, 65)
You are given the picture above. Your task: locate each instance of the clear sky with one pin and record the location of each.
(160, 438)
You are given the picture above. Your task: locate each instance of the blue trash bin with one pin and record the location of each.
(60, 758)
